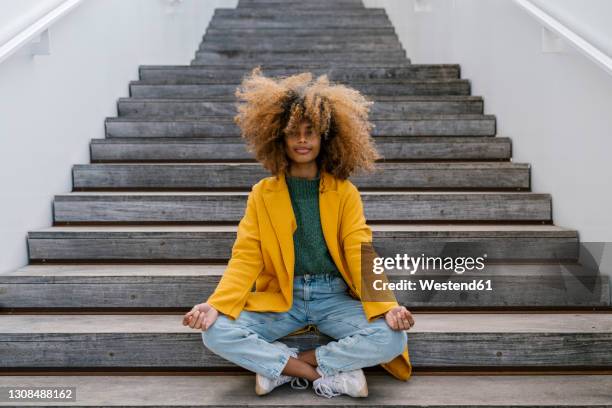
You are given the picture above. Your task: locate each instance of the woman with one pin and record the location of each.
(300, 243)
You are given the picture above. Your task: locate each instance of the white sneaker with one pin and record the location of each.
(263, 384)
(351, 383)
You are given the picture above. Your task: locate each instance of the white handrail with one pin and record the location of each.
(27, 34)
(582, 45)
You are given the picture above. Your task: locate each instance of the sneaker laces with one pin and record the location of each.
(295, 383)
(323, 389)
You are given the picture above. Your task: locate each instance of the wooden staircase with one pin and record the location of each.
(147, 230)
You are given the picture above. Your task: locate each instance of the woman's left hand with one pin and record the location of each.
(399, 318)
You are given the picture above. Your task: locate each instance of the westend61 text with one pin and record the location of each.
(429, 284)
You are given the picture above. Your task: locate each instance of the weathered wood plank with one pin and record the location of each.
(321, 57)
(229, 207)
(331, 22)
(297, 46)
(282, 14)
(409, 125)
(146, 101)
(425, 97)
(338, 32)
(472, 391)
(181, 286)
(189, 73)
(432, 175)
(234, 149)
(436, 341)
(214, 243)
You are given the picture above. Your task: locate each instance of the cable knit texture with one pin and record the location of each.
(311, 253)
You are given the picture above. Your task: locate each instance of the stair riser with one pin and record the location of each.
(417, 127)
(219, 176)
(371, 75)
(290, 4)
(152, 292)
(297, 46)
(217, 247)
(230, 208)
(427, 350)
(279, 57)
(453, 88)
(280, 14)
(230, 41)
(342, 33)
(329, 23)
(192, 109)
(305, 64)
(238, 39)
(305, 19)
(236, 150)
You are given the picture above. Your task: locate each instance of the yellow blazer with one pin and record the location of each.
(263, 253)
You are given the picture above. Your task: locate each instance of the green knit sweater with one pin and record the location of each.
(311, 253)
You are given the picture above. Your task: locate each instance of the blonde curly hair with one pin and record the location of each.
(270, 108)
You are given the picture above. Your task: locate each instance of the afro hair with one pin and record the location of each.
(270, 108)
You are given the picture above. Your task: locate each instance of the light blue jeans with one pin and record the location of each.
(319, 300)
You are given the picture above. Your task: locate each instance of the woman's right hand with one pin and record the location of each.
(201, 316)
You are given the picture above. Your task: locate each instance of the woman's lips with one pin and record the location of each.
(302, 150)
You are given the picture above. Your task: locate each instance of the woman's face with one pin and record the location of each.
(304, 146)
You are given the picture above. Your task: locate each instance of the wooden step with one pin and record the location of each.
(154, 100)
(471, 391)
(305, 64)
(213, 57)
(281, 14)
(425, 96)
(331, 22)
(150, 287)
(216, 207)
(229, 41)
(501, 242)
(237, 46)
(437, 340)
(408, 148)
(184, 74)
(408, 125)
(215, 176)
(312, 33)
(302, 18)
(290, 4)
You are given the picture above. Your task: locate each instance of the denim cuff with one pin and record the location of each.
(322, 367)
(277, 371)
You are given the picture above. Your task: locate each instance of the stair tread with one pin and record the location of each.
(420, 390)
(239, 140)
(452, 229)
(215, 269)
(199, 68)
(223, 120)
(441, 193)
(406, 98)
(426, 323)
(380, 166)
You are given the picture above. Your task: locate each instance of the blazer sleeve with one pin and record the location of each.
(244, 266)
(354, 232)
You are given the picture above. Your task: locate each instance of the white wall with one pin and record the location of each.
(51, 106)
(556, 107)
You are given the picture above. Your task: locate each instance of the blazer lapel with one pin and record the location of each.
(278, 205)
(280, 211)
(329, 207)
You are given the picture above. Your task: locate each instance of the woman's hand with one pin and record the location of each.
(399, 318)
(202, 316)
